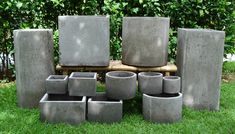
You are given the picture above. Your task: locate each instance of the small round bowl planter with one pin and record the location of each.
(171, 84)
(120, 85)
(56, 84)
(104, 110)
(162, 108)
(150, 82)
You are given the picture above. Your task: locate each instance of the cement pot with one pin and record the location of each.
(57, 84)
(82, 84)
(120, 85)
(62, 109)
(145, 41)
(162, 108)
(150, 82)
(171, 84)
(104, 110)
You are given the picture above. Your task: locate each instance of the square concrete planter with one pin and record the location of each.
(199, 64)
(150, 82)
(82, 84)
(171, 84)
(84, 40)
(104, 110)
(145, 41)
(120, 85)
(162, 108)
(57, 84)
(62, 109)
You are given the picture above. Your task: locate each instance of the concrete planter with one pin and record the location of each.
(171, 84)
(162, 108)
(82, 84)
(84, 40)
(104, 110)
(120, 85)
(57, 84)
(150, 82)
(199, 64)
(62, 109)
(145, 41)
(33, 63)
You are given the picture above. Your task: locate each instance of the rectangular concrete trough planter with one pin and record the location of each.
(82, 84)
(62, 109)
(104, 110)
(57, 84)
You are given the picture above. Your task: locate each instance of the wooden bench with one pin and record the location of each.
(118, 66)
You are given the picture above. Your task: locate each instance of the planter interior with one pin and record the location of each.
(120, 74)
(150, 74)
(83, 75)
(62, 97)
(164, 95)
(57, 77)
(103, 98)
(171, 77)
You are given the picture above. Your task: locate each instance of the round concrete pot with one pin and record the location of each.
(171, 84)
(150, 82)
(162, 108)
(120, 85)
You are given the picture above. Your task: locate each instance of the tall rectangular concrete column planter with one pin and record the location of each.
(145, 41)
(199, 62)
(33, 63)
(84, 40)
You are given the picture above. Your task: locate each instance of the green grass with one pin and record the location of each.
(229, 67)
(16, 120)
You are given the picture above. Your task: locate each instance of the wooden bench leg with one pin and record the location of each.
(65, 72)
(167, 73)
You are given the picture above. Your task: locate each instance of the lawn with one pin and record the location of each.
(16, 120)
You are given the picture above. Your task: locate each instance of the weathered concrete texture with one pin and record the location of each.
(57, 84)
(61, 108)
(84, 40)
(145, 41)
(104, 110)
(171, 84)
(82, 84)
(162, 108)
(120, 85)
(199, 63)
(33, 63)
(150, 82)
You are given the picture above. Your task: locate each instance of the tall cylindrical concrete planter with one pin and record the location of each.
(150, 82)
(145, 41)
(120, 85)
(162, 108)
(34, 63)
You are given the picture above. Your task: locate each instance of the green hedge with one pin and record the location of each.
(18, 14)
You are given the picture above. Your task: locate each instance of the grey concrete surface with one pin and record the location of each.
(61, 108)
(171, 84)
(82, 84)
(57, 84)
(33, 64)
(199, 62)
(120, 85)
(162, 108)
(84, 40)
(150, 82)
(104, 110)
(145, 41)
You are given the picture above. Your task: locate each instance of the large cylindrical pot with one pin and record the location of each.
(145, 41)
(171, 84)
(150, 82)
(162, 108)
(34, 63)
(120, 85)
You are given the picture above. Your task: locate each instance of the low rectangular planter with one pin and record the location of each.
(103, 110)
(82, 84)
(61, 108)
(57, 84)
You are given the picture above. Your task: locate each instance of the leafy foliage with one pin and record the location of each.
(19, 14)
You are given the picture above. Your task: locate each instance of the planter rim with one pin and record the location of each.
(45, 97)
(154, 74)
(103, 101)
(200, 30)
(82, 73)
(110, 74)
(62, 76)
(172, 78)
(163, 98)
(138, 17)
(32, 30)
(84, 16)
